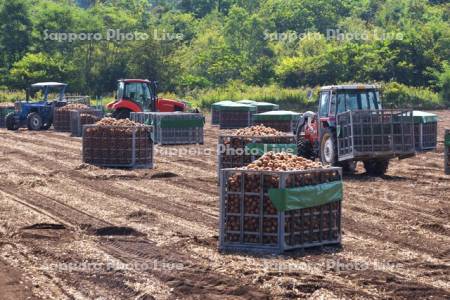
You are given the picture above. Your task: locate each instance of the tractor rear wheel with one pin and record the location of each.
(121, 114)
(34, 121)
(348, 167)
(376, 167)
(328, 148)
(10, 121)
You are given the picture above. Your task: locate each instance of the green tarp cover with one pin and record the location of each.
(237, 107)
(278, 115)
(307, 196)
(218, 105)
(181, 123)
(267, 105)
(248, 102)
(261, 149)
(421, 117)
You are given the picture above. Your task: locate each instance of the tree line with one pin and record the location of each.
(197, 45)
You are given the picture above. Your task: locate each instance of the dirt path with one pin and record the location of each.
(81, 232)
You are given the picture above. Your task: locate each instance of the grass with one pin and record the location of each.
(11, 96)
(286, 98)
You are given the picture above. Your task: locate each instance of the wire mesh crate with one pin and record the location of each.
(4, 111)
(234, 116)
(278, 211)
(425, 130)
(78, 118)
(173, 128)
(118, 146)
(375, 133)
(447, 151)
(61, 116)
(238, 151)
(425, 136)
(285, 121)
(215, 111)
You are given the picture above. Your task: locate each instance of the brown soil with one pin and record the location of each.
(63, 224)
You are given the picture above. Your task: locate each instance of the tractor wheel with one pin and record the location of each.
(348, 167)
(46, 126)
(10, 121)
(34, 121)
(305, 148)
(376, 167)
(121, 114)
(328, 148)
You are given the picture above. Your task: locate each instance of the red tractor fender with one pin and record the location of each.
(124, 104)
(169, 105)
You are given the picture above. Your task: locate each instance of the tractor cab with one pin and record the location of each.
(48, 88)
(37, 115)
(334, 100)
(140, 95)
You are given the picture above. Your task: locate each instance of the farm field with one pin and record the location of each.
(74, 231)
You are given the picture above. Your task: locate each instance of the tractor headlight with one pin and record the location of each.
(17, 106)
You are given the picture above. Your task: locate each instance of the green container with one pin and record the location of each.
(248, 102)
(219, 105)
(279, 115)
(233, 106)
(422, 117)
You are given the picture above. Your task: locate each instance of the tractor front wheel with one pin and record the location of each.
(328, 149)
(10, 121)
(46, 126)
(34, 121)
(376, 167)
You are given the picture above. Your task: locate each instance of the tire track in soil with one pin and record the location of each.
(181, 211)
(74, 153)
(363, 228)
(191, 280)
(176, 209)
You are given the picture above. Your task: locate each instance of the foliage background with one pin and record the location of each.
(270, 50)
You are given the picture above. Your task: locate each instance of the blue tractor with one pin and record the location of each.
(37, 115)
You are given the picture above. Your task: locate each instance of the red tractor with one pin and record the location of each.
(351, 126)
(139, 95)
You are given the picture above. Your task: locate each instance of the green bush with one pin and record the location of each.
(396, 95)
(287, 98)
(11, 96)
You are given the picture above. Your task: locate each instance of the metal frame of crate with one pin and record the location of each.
(106, 148)
(76, 126)
(215, 111)
(61, 119)
(4, 111)
(295, 229)
(447, 151)
(425, 135)
(173, 135)
(375, 133)
(241, 159)
(234, 118)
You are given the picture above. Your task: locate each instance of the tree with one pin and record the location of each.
(15, 31)
(38, 67)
